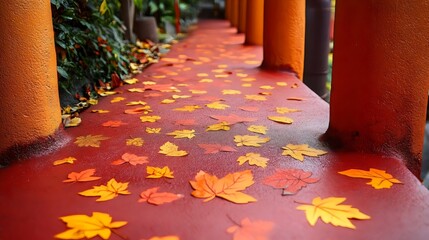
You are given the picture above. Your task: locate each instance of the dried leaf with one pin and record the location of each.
(258, 129)
(170, 237)
(168, 101)
(131, 81)
(330, 211)
(152, 196)
(113, 124)
(379, 178)
(135, 103)
(248, 230)
(138, 142)
(256, 97)
(215, 148)
(249, 108)
(156, 172)
(298, 151)
(230, 92)
(153, 130)
(71, 122)
(206, 80)
(138, 110)
(172, 150)
(185, 122)
(281, 119)
(290, 180)
(83, 176)
(253, 159)
(233, 119)
(295, 99)
(139, 90)
(90, 140)
(248, 140)
(217, 105)
(131, 159)
(219, 126)
(83, 226)
(181, 96)
(117, 99)
(281, 84)
(182, 134)
(149, 118)
(209, 186)
(283, 110)
(266, 87)
(107, 192)
(189, 108)
(69, 160)
(99, 111)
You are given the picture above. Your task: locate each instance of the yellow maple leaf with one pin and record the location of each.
(248, 79)
(170, 237)
(99, 111)
(242, 75)
(149, 118)
(256, 97)
(172, 150)
(90, 140)
(206, 80)
(230, 92)
(219, 126)
(198, 91)
(281, 84)
(138, 142)
(153, 130)
(249, 140)
(217, 105)
(117, 99)
(209, 186)
(83, 226)
(281, 119)
(202, 75)
(69, 160)
(182, 134)
(330, 211)
(168, 101)
(134, 103)
(189, 108)
(266, 87)
(156, 172)
(131, 81)
(107, 192)
(139, 90)
(258, 129)
(180, 96)
(107, 93)
(253, 159)
(379, 178)
(298, 151)
(246, 85)
(283, 110)
(149, 83)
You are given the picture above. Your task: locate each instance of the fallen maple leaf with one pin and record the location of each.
(209, 186)
(281, 84)
(69, 160)
(131, 81)
(233, 119)
(182, 134)
(258, 129)
(152, 196)
(230, 92)
(180, 96)
(379, 178)
(99, 111)
(266, 87)
(256, 97)
(249, 108)
(290, 180)
(281, 119)
(139, 90)
(253, 159)
(145, 110)
(189, 108)
(83, 176)
(90, 140)
(131, 159)
(185, 122)
(168, 101)
(107, 192)
(172, 150)
(298, 151)
(206, 80)
(153, 130)
(156, 172)
(83, 226)
(135, 103)
(215, 148)
(248, 140)
(195, 91)
(113, 124)
(295, 99)
(170, 237)
(283, 110)
(217, 105)
(117, 99)
(138, 142)
(219, 126)
(149, 118)
(330, 211)
(248, 230)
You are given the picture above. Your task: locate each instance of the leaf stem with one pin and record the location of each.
(118, 234)
(233, 221)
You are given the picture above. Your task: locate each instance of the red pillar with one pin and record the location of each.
(242, 16)
(380, 77)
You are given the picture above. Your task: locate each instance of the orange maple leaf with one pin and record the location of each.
(291, 180)
(257, 230)
(131, 159)
(209, 186)
(83, 176)
(152, 196)
(113, 124)
(215, 148)
(233, 119)
(138, 110)
(185, 122)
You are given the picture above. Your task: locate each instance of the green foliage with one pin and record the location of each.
(89, 42)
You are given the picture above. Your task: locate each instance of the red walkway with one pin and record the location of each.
(209, 66)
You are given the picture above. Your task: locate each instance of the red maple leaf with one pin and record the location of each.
(215, 148)
(233, 119)
(185, 122)
(291, 180)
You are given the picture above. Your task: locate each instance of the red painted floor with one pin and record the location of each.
(34, 196)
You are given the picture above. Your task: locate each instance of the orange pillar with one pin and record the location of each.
(284, 32)
(380, 77)
(29, 93)
(254, 22)
(234, 12)
(242, 16)
(228, 10)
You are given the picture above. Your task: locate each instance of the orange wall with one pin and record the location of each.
(29, 94)
(284, 32)
(380, 76)
(254, 22)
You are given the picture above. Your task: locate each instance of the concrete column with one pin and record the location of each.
(29, 93)
(254, 22)
(242, 16)
(284, 32)
(380, 77)
(234, 12)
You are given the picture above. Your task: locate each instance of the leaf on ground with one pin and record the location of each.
(131, 159)
(172, 150)
(248, 79)
(295, 99)
(135, 103)
(180, 96)
(83, 176)
(170, 237)
(113, 124)
(152, 196)
(195, 91)
(379, 178)
(90, 140)
(161, 87)
(206, 80)
(256, 97)
(71, 122)
(153, 130)
(168, 101)
(330, 211)
(298, 151)
(233, 119)
(138, 142)
(131, 81)
(242, 75)
(281, 84)
(290, 180)
(253, 159)
(117, 99)
(258, 129)
(208, 99)
(266, 87)
(215, 148)
(139, 90)
(189, 108)
(83, 226)
(224, 126)
(248, 230)
(182, 134)
(230, 92)
(69, 160)
(145, 110)
(283, 110)
(149, 118)
(99, 111)
(185, 122)
(217, 105)
(249, 108)
(249, 140)
(209, 186)
(281, 119)
(107, 192)
(156, 172)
